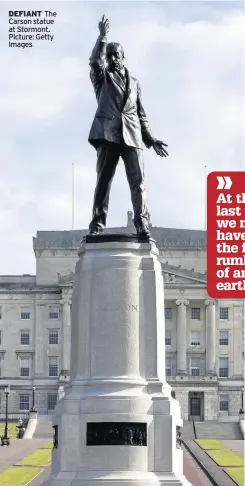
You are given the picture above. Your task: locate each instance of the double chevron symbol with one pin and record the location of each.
(224, 182)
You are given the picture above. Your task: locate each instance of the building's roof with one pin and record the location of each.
(164, 237)
(12, 279)
(25, 281)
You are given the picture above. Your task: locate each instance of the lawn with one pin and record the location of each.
(226, 458)
(18, 476)
(210, 444)
(42, 457)
(11, 427)
(236, 473)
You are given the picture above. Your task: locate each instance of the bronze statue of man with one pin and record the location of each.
(120, 128)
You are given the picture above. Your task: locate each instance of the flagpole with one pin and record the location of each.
(73, 197)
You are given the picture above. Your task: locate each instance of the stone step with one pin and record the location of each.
(187, 432)
(44, 429)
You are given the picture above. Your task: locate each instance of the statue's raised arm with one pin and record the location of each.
(97, 60)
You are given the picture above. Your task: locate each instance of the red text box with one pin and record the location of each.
(226, 235)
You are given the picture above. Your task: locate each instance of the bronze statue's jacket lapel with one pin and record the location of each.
(116, 78)
(128, 87)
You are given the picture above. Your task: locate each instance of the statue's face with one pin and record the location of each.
(114, 56)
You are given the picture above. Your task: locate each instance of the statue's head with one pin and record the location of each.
(114, 56)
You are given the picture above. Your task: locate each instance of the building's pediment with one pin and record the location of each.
(173, 275)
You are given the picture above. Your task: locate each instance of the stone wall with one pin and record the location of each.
(211, 404)
(235, 402)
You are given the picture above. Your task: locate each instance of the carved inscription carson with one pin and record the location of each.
(120, 308)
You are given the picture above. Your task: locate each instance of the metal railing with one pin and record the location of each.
(14, 417)
(194, 429)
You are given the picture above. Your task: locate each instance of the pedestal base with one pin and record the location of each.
(106, 479)
(117, 422)
(125, 438)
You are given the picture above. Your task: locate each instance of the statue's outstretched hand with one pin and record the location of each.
(104, 26)
(159, 148)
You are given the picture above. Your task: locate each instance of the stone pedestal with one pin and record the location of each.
(116, 424)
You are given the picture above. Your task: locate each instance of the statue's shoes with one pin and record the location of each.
(143, 231)
(96, 231)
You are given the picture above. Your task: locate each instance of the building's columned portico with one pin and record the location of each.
(181, 336)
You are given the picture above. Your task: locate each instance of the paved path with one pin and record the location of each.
(18, 449)
(41, 477)
(193, 472)
(236, 446)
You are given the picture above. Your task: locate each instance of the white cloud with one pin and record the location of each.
(39, 88)
(15, 194)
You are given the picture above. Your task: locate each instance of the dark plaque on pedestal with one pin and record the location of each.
(55, 436)
(116, 433)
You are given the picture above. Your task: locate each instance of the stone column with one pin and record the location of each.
(66, 335)
(181, 336)
(40, 345)
(237, 341)
(210, 337)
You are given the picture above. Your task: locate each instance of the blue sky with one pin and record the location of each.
(188, 57)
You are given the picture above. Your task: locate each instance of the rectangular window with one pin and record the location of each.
(224, 313)
(223, 367)
(195, 338)
(25, 338)
(224, 403)
(25, 313)
(24, 367)
(195, 367)
(196, 313)
(52, 400)
(223, 338)
(53, 366)
(0, 312)
(168, 366)
(168, 338)
(53, 336)
(168, 313)
(53, 312)
(24, 403)
(1, 337)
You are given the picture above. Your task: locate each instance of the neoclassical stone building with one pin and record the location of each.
(204, 339)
